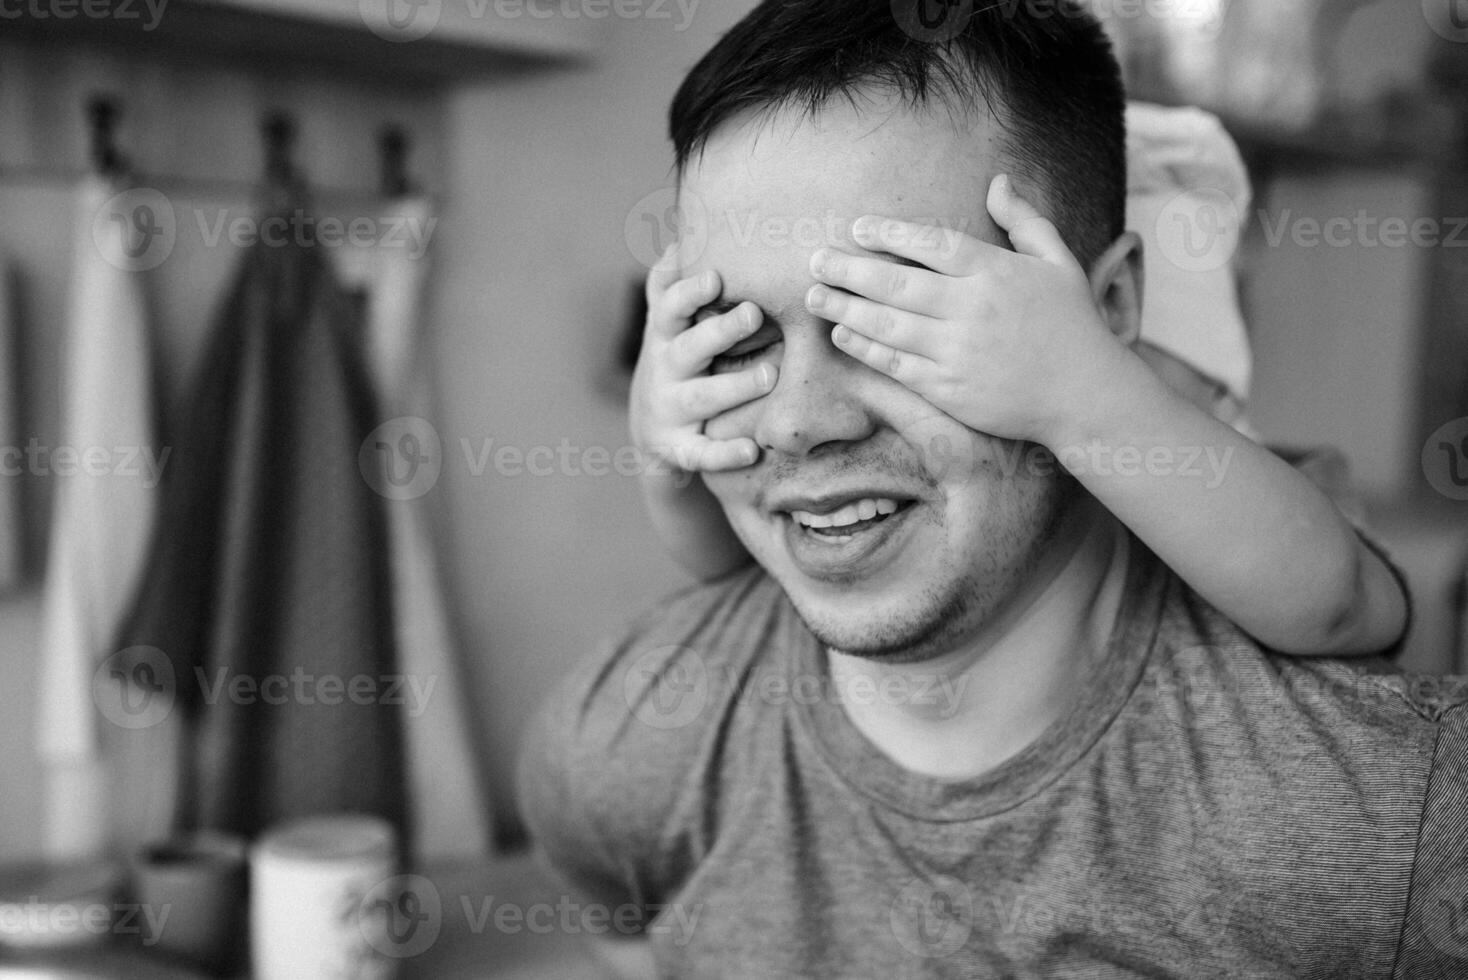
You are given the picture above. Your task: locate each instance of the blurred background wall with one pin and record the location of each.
(543, 141)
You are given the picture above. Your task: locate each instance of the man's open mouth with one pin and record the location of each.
(850, 536)
(848, 519)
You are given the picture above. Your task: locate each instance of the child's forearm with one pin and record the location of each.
(1250, 534)
(692, 526)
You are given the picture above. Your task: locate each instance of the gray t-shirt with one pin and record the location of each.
(1210, 809)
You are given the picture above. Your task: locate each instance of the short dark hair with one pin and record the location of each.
(1046, 73)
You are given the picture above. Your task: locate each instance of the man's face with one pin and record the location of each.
(970, 523)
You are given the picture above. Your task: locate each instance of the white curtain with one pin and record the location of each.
(102, 520)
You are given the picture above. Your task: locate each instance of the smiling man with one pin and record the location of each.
(956, 722)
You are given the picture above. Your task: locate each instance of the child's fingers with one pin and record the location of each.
(898, 365)
(882, 280)
(668, 313)
(707, 396)
(691, 351)
(1029, 231)
(663, 273)
(705, 455)
(944, 250)
(890, 327)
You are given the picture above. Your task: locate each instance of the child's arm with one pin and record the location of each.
(1013, 343)
(1244, 528)
(669, 403)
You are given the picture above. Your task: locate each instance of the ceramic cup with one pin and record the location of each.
(313, 882)
(193, 898)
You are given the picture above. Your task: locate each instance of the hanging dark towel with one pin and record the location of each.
(268, 585)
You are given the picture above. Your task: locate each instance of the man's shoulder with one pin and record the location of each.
(613, 766)
(648, 691)
(726, 619)
(1219, 667)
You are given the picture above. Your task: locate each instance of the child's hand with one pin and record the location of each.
(671, 397)
(1009, 343)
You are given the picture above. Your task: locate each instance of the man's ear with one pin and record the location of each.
(1116, 286)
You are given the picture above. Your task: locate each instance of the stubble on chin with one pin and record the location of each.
(939, 617)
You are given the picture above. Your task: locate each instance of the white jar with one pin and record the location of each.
(312, 883)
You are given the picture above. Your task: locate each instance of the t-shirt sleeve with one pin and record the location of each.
(576, 847)
(1435, 933)
(613, 771)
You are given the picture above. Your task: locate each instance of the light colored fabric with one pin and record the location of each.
(12, 472)
(1188, 197)
(102, 519)
(448, 815)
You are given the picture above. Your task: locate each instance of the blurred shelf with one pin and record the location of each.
(1405, 129)
(1413, 138)
(431, 42)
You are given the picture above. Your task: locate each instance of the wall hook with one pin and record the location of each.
(393, 146)
(103, 111)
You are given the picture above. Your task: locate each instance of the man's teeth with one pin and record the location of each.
(858, 510)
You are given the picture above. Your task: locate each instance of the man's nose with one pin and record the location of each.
(815, 402)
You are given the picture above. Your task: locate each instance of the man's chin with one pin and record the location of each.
(897, 636)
